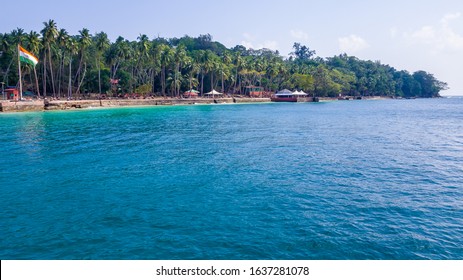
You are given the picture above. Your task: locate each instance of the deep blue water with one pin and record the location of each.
(335, 180)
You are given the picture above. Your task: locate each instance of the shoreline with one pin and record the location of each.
(62, 105)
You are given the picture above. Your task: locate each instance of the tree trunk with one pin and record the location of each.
(5, 77)
(212, 80)
(79, 70)
(133, 83)
(163, 81)
(202, 83)
(82, 79)
(99, 74)
(223, 91)
(51, 72)
(60, 74)
(70, 78)
(152, 81)
(36, 82)
(44, 79)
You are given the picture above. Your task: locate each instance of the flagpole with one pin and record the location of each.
(20, 82)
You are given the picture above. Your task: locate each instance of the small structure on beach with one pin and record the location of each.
(284, 91)
(213, 93)
(289, 96)
(190, 93)
(299, 93)
(254, 91)
(12, 94)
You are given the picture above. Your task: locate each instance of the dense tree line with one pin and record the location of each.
(86, 63)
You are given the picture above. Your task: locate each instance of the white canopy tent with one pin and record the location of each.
(213, 92)
(299, 93)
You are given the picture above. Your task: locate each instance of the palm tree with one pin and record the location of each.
(34, 46)
(9, 44)
(62, 40)
(49, 33)
(200, 58)
(212, 66)
(166, 59)
(143, 54)
(72, 48)
(6, 50)
(84, 41)
(19, 36)
(4, 43)
(102, 44)
(238, 61)
(179, 59)
(226, 60)
(155, 59)
(192, 67)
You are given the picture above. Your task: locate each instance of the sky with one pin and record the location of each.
(407, 35)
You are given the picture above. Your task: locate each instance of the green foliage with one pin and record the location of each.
(167, 67)
(143, 89)
(303, 82)
(91, 84)
(124, 78)
(302, 52)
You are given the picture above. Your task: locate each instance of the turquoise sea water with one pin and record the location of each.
(336, 180)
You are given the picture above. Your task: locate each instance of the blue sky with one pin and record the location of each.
(410, 35)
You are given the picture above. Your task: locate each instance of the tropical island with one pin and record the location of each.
(86, 66)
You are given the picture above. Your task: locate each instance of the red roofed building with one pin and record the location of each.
(12, 94)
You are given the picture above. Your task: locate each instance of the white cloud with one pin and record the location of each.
(426, 34)
(299, 35)
(251, 42)
(352, 44)
(247, 44)
(441, 36)
(449, 17)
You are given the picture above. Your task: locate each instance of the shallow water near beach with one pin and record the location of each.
(335, 180)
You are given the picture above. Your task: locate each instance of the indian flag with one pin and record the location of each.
(27, 57)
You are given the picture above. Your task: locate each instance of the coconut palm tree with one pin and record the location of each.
(5, 45)
(19, 36)
(155, 62)
(142, 59)
(179, 58)
(192, 68)
(200, 59)
(102, 44)
(72, 49)
(238, 61)
(34, 46)
(166, 59)
(225, 64)
(49, 34)
(9, 43)
(61, 40)
(84, 40)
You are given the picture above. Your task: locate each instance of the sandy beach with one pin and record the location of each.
(47, 104)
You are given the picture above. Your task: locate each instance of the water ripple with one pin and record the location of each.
(342, 180)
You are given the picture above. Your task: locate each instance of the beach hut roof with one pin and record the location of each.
(299, 93)
(192, 91)
(214, 92)
(284, 91)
